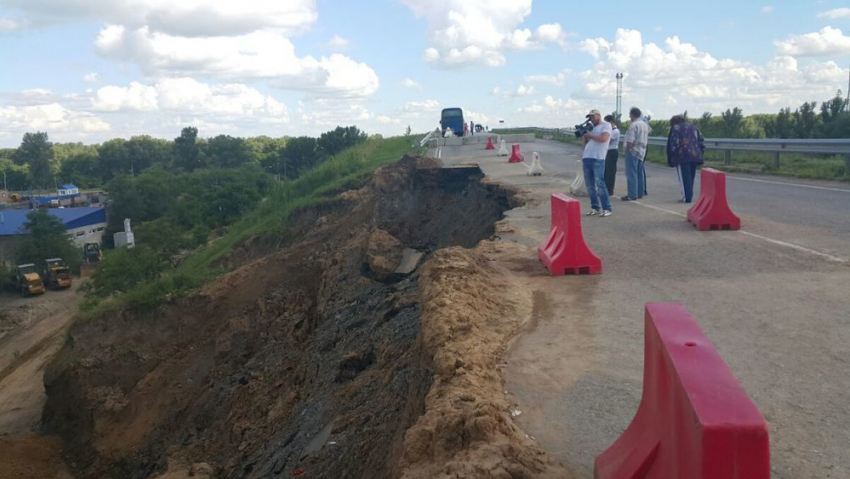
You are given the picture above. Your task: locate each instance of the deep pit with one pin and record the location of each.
(307, 360)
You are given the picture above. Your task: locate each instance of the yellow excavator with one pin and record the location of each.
(56, 273)
(29, 282)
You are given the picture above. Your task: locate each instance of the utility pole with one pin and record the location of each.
(619, 110)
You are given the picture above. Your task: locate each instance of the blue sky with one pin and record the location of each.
(89, 70)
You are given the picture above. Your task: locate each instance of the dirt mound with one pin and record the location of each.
(31, 457)
(470, 312)
(302, 361)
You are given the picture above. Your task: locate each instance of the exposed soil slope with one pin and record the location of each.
(315, 359)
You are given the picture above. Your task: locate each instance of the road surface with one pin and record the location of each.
(773, 299)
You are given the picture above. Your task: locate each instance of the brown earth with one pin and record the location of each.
(32, 457)
(315, 358)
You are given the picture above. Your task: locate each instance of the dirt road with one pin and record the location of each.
(31, 332)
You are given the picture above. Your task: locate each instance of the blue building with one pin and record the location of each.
(85, 225)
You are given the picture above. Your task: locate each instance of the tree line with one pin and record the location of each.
(830, 119)
(40, 164)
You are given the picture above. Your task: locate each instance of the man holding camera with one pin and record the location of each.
(593, 164)
(637, 138)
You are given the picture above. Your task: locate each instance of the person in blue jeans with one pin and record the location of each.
(637, 138)
(593, 164)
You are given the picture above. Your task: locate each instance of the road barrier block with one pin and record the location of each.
(516, 155)
(490, 145)
(565, 251)
(694, 420)
(503, 150)
(711, 211)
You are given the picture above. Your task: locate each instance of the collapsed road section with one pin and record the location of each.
(367, 347)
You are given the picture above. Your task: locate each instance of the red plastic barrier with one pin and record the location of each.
(516, 155)
(694, 420)
(711, 211)
(565, 251)
(490, 145)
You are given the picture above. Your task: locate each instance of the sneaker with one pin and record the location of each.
(605, 213)
(593, 213)
(628, 198)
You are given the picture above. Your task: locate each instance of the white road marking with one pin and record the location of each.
(796, 247)
(763, 238)
(783, 183)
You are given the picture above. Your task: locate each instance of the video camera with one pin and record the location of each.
(583, 128)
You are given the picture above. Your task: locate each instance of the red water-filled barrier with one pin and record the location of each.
(490, 145)
(516, 155)
(694, 420)
(565, 251)
(711, 211)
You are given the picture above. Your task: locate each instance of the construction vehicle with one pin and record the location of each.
(91, 257)
(28, 280)
(56, 273)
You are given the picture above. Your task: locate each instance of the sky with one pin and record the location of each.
(91, 70)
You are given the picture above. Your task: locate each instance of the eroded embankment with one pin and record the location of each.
(327, 358)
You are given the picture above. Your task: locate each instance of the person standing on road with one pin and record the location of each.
(685, 147)
(637, 137)
(593, 164)
(612, 156)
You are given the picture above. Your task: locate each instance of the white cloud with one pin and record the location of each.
(767, 9)
(478, 31)
(258, 55)
(826, 41)
(50, 117)
(189, 18)
(519, 91)
(136, 97)
(668, 78)
(383, 119)
(557, 79)
(835, 13)
(91, 78)
(7, 25)
(410, 83)
(337, 43)
(188, 95)
(419, 106)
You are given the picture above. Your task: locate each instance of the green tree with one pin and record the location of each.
(731, 120)
(225, 151)
(15, 177)
(833, 108)
(36, 150)
(187, 150)
(81, 169)
(299, 155)
(338, 139)
(805, 120)
(114, 158)
(145, 151)
(46, 237)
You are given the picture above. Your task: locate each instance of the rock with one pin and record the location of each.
(409, 261)
(383, 255)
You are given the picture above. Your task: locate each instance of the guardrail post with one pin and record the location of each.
(727, 157)
(776, 159)
(847, 165)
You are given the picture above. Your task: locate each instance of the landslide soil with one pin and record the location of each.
(319, 359)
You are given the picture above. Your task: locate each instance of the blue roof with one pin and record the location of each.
(67, 187)
(12, 221)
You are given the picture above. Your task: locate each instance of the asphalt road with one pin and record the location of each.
(773, 299)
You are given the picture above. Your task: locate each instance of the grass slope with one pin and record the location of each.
(349, 169)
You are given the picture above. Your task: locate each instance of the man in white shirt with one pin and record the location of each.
(593, 164)
(637, 138)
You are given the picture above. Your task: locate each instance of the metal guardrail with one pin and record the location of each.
(427, 138)
(728, 145)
